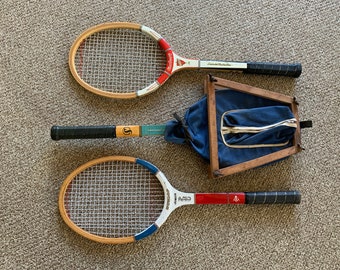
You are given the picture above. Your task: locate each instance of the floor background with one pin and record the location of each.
(37, 91)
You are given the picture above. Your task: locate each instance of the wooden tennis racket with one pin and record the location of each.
(119, 199)
(129, 60)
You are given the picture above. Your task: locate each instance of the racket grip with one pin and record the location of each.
(82, 132)
(273, 197)
(289, 70)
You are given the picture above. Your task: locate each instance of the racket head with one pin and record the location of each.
(120, 60)
(115, 199)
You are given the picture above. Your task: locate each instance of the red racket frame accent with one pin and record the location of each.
(169, 59)
(222, 198)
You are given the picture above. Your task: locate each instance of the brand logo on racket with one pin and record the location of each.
(180, 62)
(184, 198)
(236, 199)
(127, 131)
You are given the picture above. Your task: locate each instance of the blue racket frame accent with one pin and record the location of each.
(152, 168)
(153, 228)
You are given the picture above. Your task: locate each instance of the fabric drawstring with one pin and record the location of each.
(183, 126)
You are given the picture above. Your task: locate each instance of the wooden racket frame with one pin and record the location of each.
(77, 43)
(63, 211)
(211, 85)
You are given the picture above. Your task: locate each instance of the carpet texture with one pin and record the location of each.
(38, 91)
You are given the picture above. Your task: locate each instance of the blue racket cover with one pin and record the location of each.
(248, 127)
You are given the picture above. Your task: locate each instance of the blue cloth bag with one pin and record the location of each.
(248, 127)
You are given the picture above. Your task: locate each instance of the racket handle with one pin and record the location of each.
(273, 197)
(82, 132)
(289, 70)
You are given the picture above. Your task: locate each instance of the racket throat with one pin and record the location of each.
(179, 199)
(183, 199)
(176, 62)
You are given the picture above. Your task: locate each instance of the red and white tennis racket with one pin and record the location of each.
(128, 60)
(120, 199)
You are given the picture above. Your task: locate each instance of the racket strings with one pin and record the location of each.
(114, 199)
(119, 60)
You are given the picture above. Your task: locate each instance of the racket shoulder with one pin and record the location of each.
(151, 32)
(173, 198)
(151, 88)
(152, 168)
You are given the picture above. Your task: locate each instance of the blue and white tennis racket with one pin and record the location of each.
(119, 199)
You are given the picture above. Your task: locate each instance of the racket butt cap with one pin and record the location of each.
(54, 133)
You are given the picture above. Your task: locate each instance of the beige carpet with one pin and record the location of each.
(37, 91)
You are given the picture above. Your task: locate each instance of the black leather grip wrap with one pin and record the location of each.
(289, 70)
(274, 197)
(82, 132)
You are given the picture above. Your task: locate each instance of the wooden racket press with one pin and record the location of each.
(211, 85)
